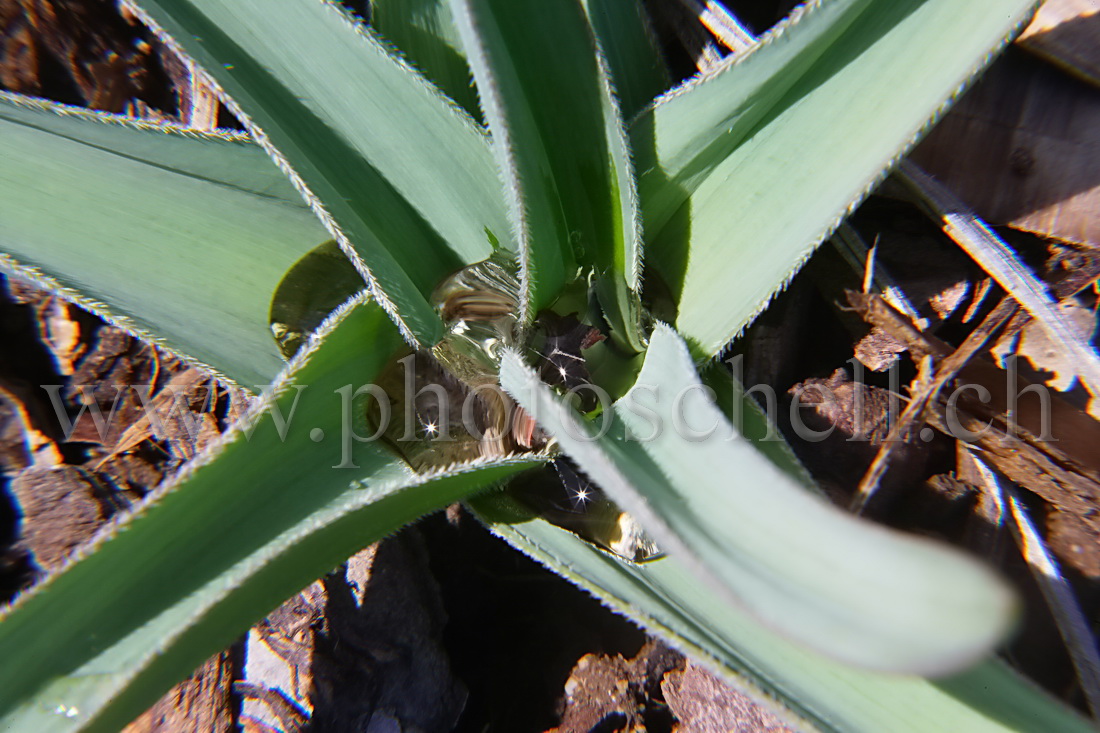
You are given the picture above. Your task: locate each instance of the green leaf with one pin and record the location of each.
(406, 178)
(747, 170)
(638, 72)
(179, 236)
(205, 557)
(664, 597)
(753, 423)
(748, 532)
(682, 138)
(559, 142)
(425, 33)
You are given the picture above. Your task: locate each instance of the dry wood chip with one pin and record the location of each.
(35, 424)
(167, 416)
(926, 389)
(1034, 344)
(1022, 147)
(608, 692)
(60, 511)
(200, 704)
(1076, 540)
(14, 455)
(1001, 261)
(878, 350)
(62, 333)
(86, 43)
(63, 506)
(702, 703)
(1040, 419)
(1067, 33)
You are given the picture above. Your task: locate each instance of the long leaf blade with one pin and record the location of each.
(425, 33)
(403, 179)
(179, 236)
(840, 585)
(663, 597)
(638, 70)
(559, 144)
(746, 171)
(685, 135)
(228, 541)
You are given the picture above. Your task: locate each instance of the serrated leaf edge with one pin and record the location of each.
(799, 718)
(967, 78)
(234, 432)
(50, 284)
(107, 118)
(260, 137)
(501, 138)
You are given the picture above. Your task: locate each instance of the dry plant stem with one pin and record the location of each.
(685, 21)
(722, 24)
(202, 111)
(1073, 453)
(1071, 622)
(861, 258)
(41, 448)
(1059, 477)
(1026, 466)
(1068, 285)
(996, 258)
(930, 389)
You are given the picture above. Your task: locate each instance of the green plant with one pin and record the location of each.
(741, 173)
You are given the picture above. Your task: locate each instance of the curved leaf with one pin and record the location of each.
(744, 172)
(207, 555)
(664, 597)
(179, 236)
(403, 179)
(559, 143)
(751, 535)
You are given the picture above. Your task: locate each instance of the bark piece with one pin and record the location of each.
(78, 51)
(200, 704)
(1067, 33)
(841, 424)
(61, 332)
(1023, 149)
(60, 511)
(1075, 541)
(702, 703)
(610, 693)
(1061, 430)
(878, 350)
